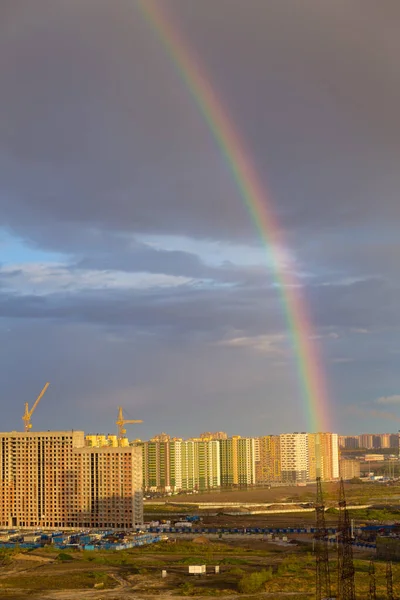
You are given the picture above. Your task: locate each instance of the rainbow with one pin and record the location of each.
(310, 371)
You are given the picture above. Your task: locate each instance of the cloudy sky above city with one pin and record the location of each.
(131, 272)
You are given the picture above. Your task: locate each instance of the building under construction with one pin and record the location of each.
(56, 479)
(51, 479)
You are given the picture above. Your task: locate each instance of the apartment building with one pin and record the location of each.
(156, 463)
(108, 487)
(366, 440)
(268, 459)
(51, 479)
(349, 469)
(175, 464)
(237, 459)
(294, 457)
(323, 456)
(38, 478)
(349, 442)
(213, 464)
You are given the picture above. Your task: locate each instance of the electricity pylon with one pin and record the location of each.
(372, 581)
(346, 586)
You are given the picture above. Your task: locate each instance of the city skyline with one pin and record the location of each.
(131, 272)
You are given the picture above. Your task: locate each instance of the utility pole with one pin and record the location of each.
(322, 575)
(346, 586)
(389, 581)
(372, 581)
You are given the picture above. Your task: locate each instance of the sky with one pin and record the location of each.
(131, 273)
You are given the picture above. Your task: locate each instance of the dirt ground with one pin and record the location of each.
(277, 494)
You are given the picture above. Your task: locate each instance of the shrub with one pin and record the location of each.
(186, 588)
(250, 584)
(63, 556)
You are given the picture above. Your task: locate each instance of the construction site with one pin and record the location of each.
(323, 559)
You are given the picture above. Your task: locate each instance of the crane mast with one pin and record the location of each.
(28, 413)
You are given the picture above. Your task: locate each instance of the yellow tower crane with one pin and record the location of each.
(121, 422)
(28, 413)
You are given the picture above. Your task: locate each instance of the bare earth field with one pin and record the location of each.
(277, 494)
(357, 493)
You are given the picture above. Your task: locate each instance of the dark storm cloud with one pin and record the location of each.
(95, 117)
(182, 311)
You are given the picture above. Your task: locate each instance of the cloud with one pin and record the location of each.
(395, 399)
(266, 344)
(47, 279)
(371, 413)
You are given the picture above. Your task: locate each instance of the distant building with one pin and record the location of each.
(268, 459)
(366, 441)
(349, 469)
(394, 440)
(374, 457)
(156, 463)
(238, 465)
(349, 442)
(385, 440)
(323, 456)
(294, 457)
(217, 435)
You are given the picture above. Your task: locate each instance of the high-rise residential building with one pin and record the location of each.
(237, 456)
(156, 463)
(175, 464)
(376, 441)
(268, 462)
(349, 442)
(194, 469)
(348, 469)
(395, 440)
(213, 464)
(294, 457)
(385, 440)
(51, 479)
(109, 487)
(323, 456)
(366, 440)
(38, 478)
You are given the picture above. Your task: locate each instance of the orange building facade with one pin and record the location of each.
(50, 479)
